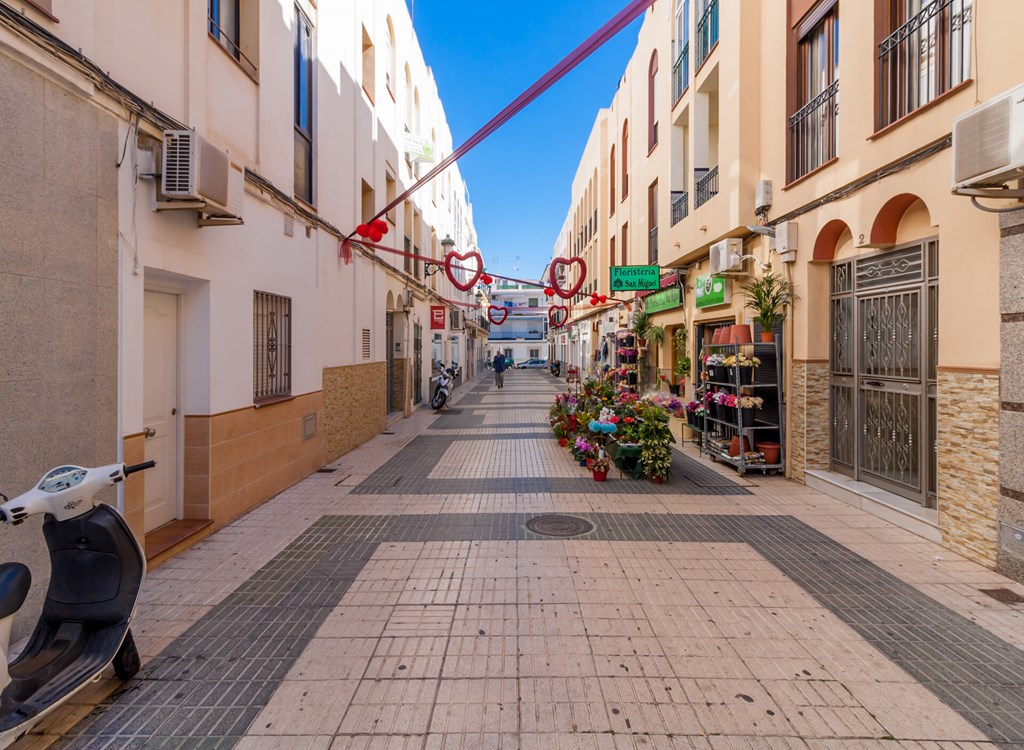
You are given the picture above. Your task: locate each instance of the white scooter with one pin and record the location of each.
(97, 567)
(445, 383)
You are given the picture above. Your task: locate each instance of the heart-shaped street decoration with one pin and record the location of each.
(453, 256)
(492, 314)
(553, 276)
(557, 315)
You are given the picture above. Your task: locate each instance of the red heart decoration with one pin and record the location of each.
(557, 315)
(549, 292)
(491, 314)
(453, 256)
(553, 276)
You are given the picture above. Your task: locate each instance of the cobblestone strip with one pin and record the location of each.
(208, 686)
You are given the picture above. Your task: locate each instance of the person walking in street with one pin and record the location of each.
(499, 370)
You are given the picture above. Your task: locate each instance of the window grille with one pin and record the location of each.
(272, 346)
(366, 343)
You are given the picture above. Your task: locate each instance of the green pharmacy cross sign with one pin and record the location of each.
(635, 278)
(712, 290)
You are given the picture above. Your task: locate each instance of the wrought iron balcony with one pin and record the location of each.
(705, 186)
(924, 58)
(681, 73)
(707, 32)
(680, 206)
(812, 133)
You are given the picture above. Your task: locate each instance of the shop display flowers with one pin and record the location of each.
(599, 467)
(626, 351)
(582, 450)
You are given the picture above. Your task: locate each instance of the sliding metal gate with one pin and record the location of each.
(884, 352)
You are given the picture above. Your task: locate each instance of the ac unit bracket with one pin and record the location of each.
(205, 220)
(178, 205)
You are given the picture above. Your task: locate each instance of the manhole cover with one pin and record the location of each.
(556, 525)
(1006, 596)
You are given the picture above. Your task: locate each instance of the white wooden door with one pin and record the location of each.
(160, 401)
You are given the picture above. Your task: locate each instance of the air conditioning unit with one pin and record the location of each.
(194, 172)
(726, 256)
(988, 142)
(786, 241)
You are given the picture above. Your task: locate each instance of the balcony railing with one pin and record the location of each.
(652, 246)
(681, 73)
(924, 58)
(680, 206)
(707, 32)
(812, 133)
(705, 186)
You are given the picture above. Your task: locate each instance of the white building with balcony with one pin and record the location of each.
(524, 332)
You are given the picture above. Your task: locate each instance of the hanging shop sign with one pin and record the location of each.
(419, 148)
(713, 290)
(666, 299)
(635, 278)
(437, 317)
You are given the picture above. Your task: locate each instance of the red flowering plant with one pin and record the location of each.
(628, 430)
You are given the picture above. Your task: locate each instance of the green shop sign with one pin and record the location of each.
(635, 278)
(713, 290)
(666, 299)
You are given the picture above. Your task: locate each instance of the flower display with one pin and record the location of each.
(750, 402)
(741, 360)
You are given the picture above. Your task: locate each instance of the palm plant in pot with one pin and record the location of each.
(769, 296)
(641, 326)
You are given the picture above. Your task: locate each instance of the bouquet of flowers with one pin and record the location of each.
(626, 351)
(714, 360)
(583, 450)
(628, 430)
(750, 402)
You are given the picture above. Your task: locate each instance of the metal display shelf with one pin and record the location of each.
(769, 381)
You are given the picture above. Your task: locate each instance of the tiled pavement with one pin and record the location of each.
(400, 602)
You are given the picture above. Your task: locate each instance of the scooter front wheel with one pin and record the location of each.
(127, 661)
(439, 400)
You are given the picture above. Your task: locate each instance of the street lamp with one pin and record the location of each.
(447, 244)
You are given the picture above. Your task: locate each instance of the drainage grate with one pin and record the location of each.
(557, 525)
(1006, 596)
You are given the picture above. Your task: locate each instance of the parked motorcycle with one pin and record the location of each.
(556, 368)
(97, 568)
(445, 383)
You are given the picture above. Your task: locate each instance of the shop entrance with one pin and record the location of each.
(884, 353)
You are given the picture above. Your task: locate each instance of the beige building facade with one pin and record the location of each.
(891, 350)
(173, 210)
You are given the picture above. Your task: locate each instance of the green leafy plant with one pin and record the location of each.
(655, 438)
(641, 324)
(655, 335)
(769, 297)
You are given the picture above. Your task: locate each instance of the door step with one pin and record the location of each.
(171, 538)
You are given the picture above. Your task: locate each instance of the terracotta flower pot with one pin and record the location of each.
(767, 337)
(600, 476)
(716, 337)
(734, 446)
(740, 334)
(771, 451)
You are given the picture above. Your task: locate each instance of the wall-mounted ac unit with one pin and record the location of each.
(726, 256)
(988, 142)
(195, 172)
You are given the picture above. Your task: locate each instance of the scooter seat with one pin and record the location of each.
(15, 581)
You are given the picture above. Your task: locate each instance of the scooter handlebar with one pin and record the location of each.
(139, 467)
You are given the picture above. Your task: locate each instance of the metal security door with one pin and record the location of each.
(390, 339)
(884, 331)
(417, 363)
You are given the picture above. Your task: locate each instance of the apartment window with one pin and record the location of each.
(612, 176)
(681, 63)
(303, 107)
(533, 302)
(925, 53)
(611, 255)
(232, 24)
(624, 253)
(369, 66)
(625, 159)
(652, 113)
(272, 346)
(652, 222)
(813, 126)
(390, 192)
(389, 75)
(534, 353)
(707, 29)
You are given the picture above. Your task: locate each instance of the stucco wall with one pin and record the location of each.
(58, 296)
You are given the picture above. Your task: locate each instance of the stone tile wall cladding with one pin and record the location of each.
(134, 452)
(355, 406)
(58, 296)
(968, 443)
(1011, 418)
(808, 413)
(237, 460)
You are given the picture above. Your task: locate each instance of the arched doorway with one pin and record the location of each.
(883, 358)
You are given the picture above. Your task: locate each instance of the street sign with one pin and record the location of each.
(635, 278)
(713, 290)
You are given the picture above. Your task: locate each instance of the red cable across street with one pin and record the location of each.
(622, 19)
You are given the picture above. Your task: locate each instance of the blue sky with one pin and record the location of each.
(483, 56)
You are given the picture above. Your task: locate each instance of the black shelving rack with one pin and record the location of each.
(769, 422)
(627, 340)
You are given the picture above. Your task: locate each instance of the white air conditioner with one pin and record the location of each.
(195, 171)
(988, 142)
(786, 241)
(726, 256)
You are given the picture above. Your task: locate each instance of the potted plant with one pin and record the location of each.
(641, 325)
(599, 468)
(769, 297)
(681, 371)
(655, 335)
(747, 406)
(655, 439)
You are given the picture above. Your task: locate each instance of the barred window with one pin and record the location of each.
(272, 346)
